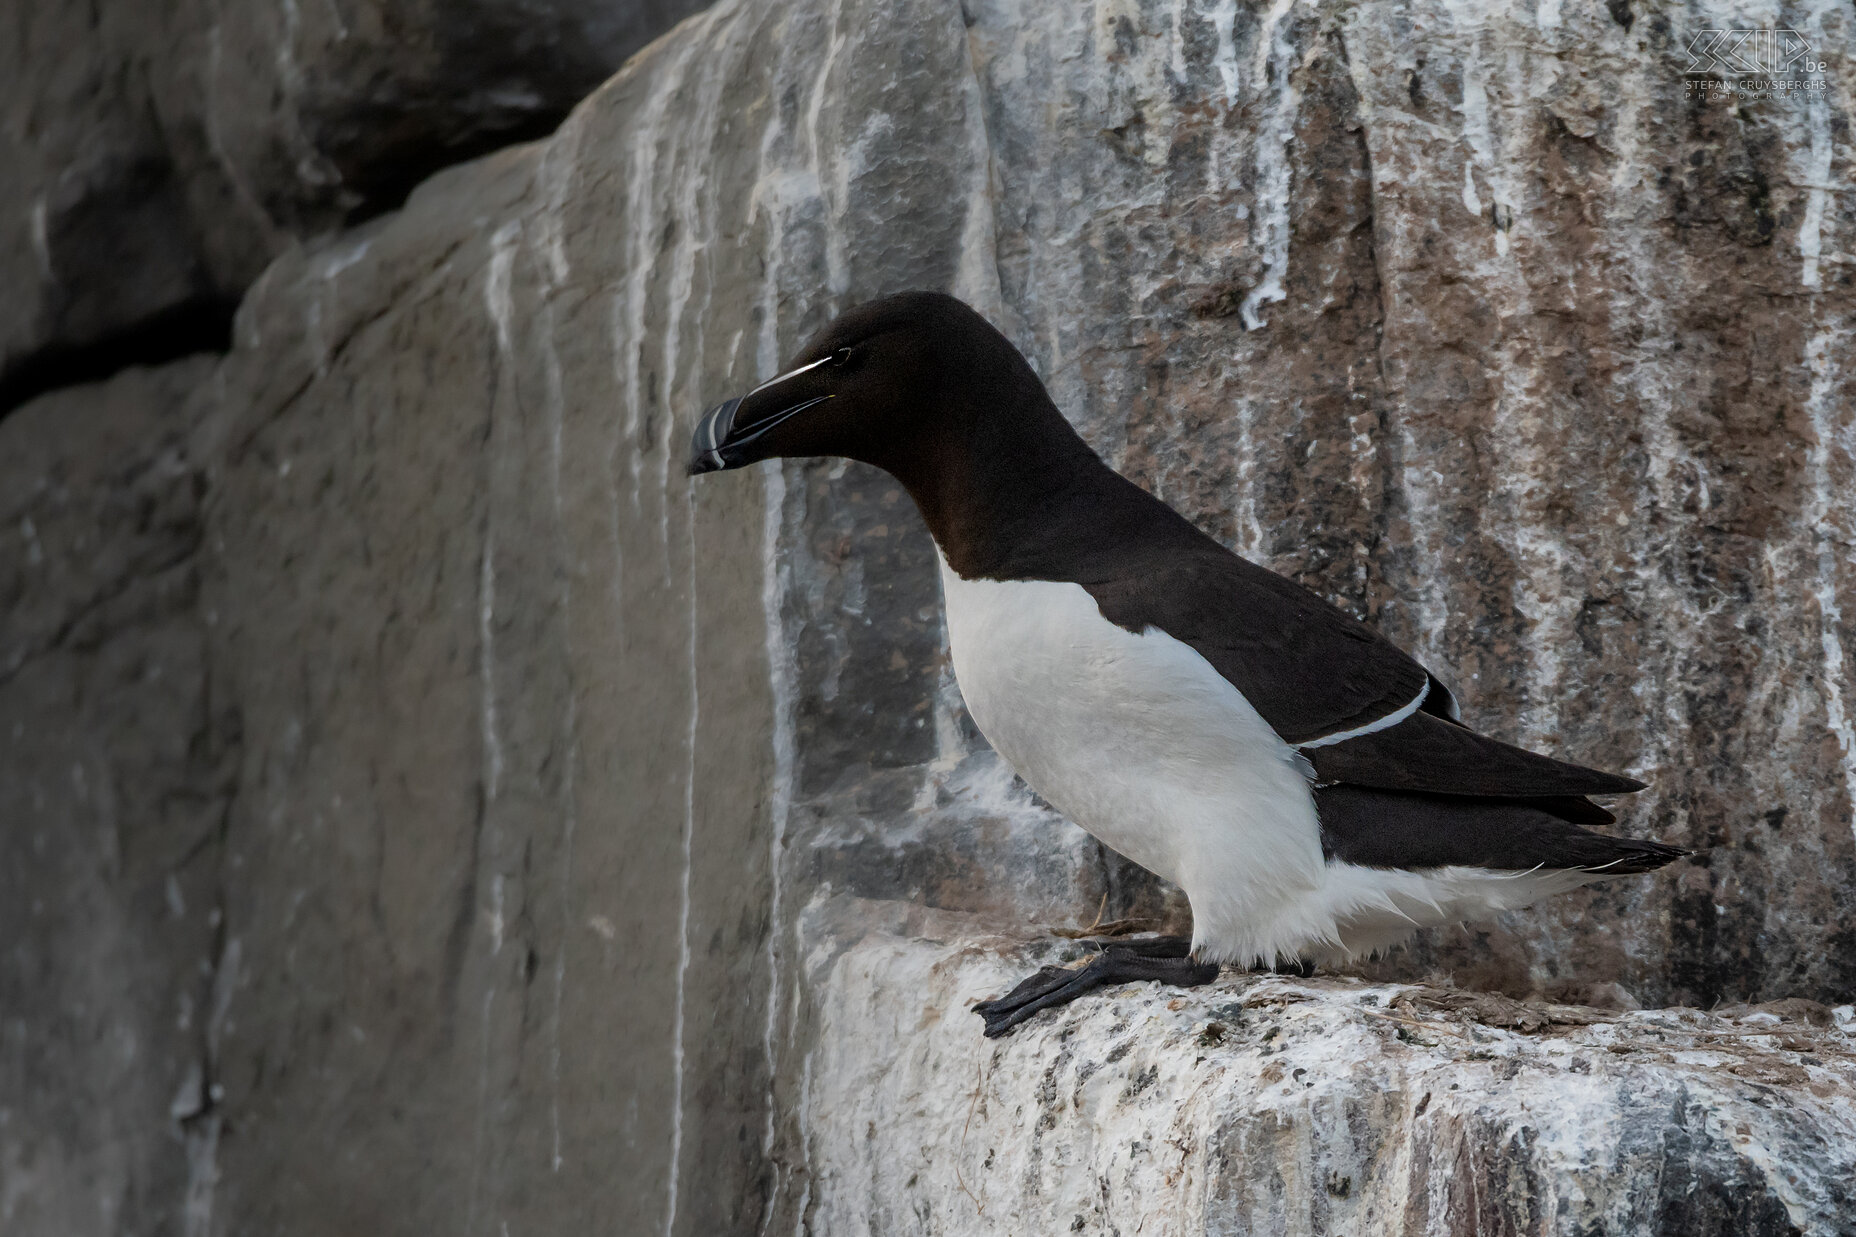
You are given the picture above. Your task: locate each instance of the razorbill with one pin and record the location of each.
(1307, 784)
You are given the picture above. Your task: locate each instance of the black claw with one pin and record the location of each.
(1164, 959)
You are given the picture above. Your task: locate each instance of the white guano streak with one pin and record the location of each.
(1828, 425)
(835, 281)
(767, 204)
(641, 260)
(1821, 157)
(694, 177)
(1817, 178)
(683, 908)
(780, 675)
(976, 279)
(1468, 21)
(1224, 59)
(692, 232)
(1524, 430)
(1271, 220)
(559, 163)
(499, 307)
(496, 297)
(496, 286)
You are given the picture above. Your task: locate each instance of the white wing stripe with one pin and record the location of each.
(1391, 719)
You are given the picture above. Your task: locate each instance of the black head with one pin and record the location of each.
(877, 384)
(925, 389)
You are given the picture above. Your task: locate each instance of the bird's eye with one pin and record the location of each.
(839, 357)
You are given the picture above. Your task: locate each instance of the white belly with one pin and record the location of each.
(1140, 741)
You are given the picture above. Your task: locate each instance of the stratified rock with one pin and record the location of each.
(158, 155)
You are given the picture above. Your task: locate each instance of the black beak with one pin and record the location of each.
(711, 432)
(719, 443)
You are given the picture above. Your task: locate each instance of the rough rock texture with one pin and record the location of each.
(574, 809)
(157, 155)
(114, 783)
(1258, 1105)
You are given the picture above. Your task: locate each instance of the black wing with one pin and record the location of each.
(1428, 753)
(1386, 829)
(1312, 670)
(1315, 674)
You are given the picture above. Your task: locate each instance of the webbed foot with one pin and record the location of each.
(1165, 959)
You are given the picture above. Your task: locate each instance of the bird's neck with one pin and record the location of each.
(995, 486)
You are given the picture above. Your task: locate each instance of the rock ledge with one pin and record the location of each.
(1332, 1105)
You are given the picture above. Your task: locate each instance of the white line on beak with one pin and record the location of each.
(791, 373)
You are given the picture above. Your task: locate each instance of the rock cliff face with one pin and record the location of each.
(584, 847)
(159, 153)
(114, 783)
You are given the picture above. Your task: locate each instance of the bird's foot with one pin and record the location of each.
(1167, 959)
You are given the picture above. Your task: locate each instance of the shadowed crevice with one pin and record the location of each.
(200, 325)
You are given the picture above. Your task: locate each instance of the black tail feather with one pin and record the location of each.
(1633, 856)
(1576, 808)
(1400, 829)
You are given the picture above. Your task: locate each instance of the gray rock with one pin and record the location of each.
(159, 155)
(114, 784)
(1263, 1105)
(607, 850)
